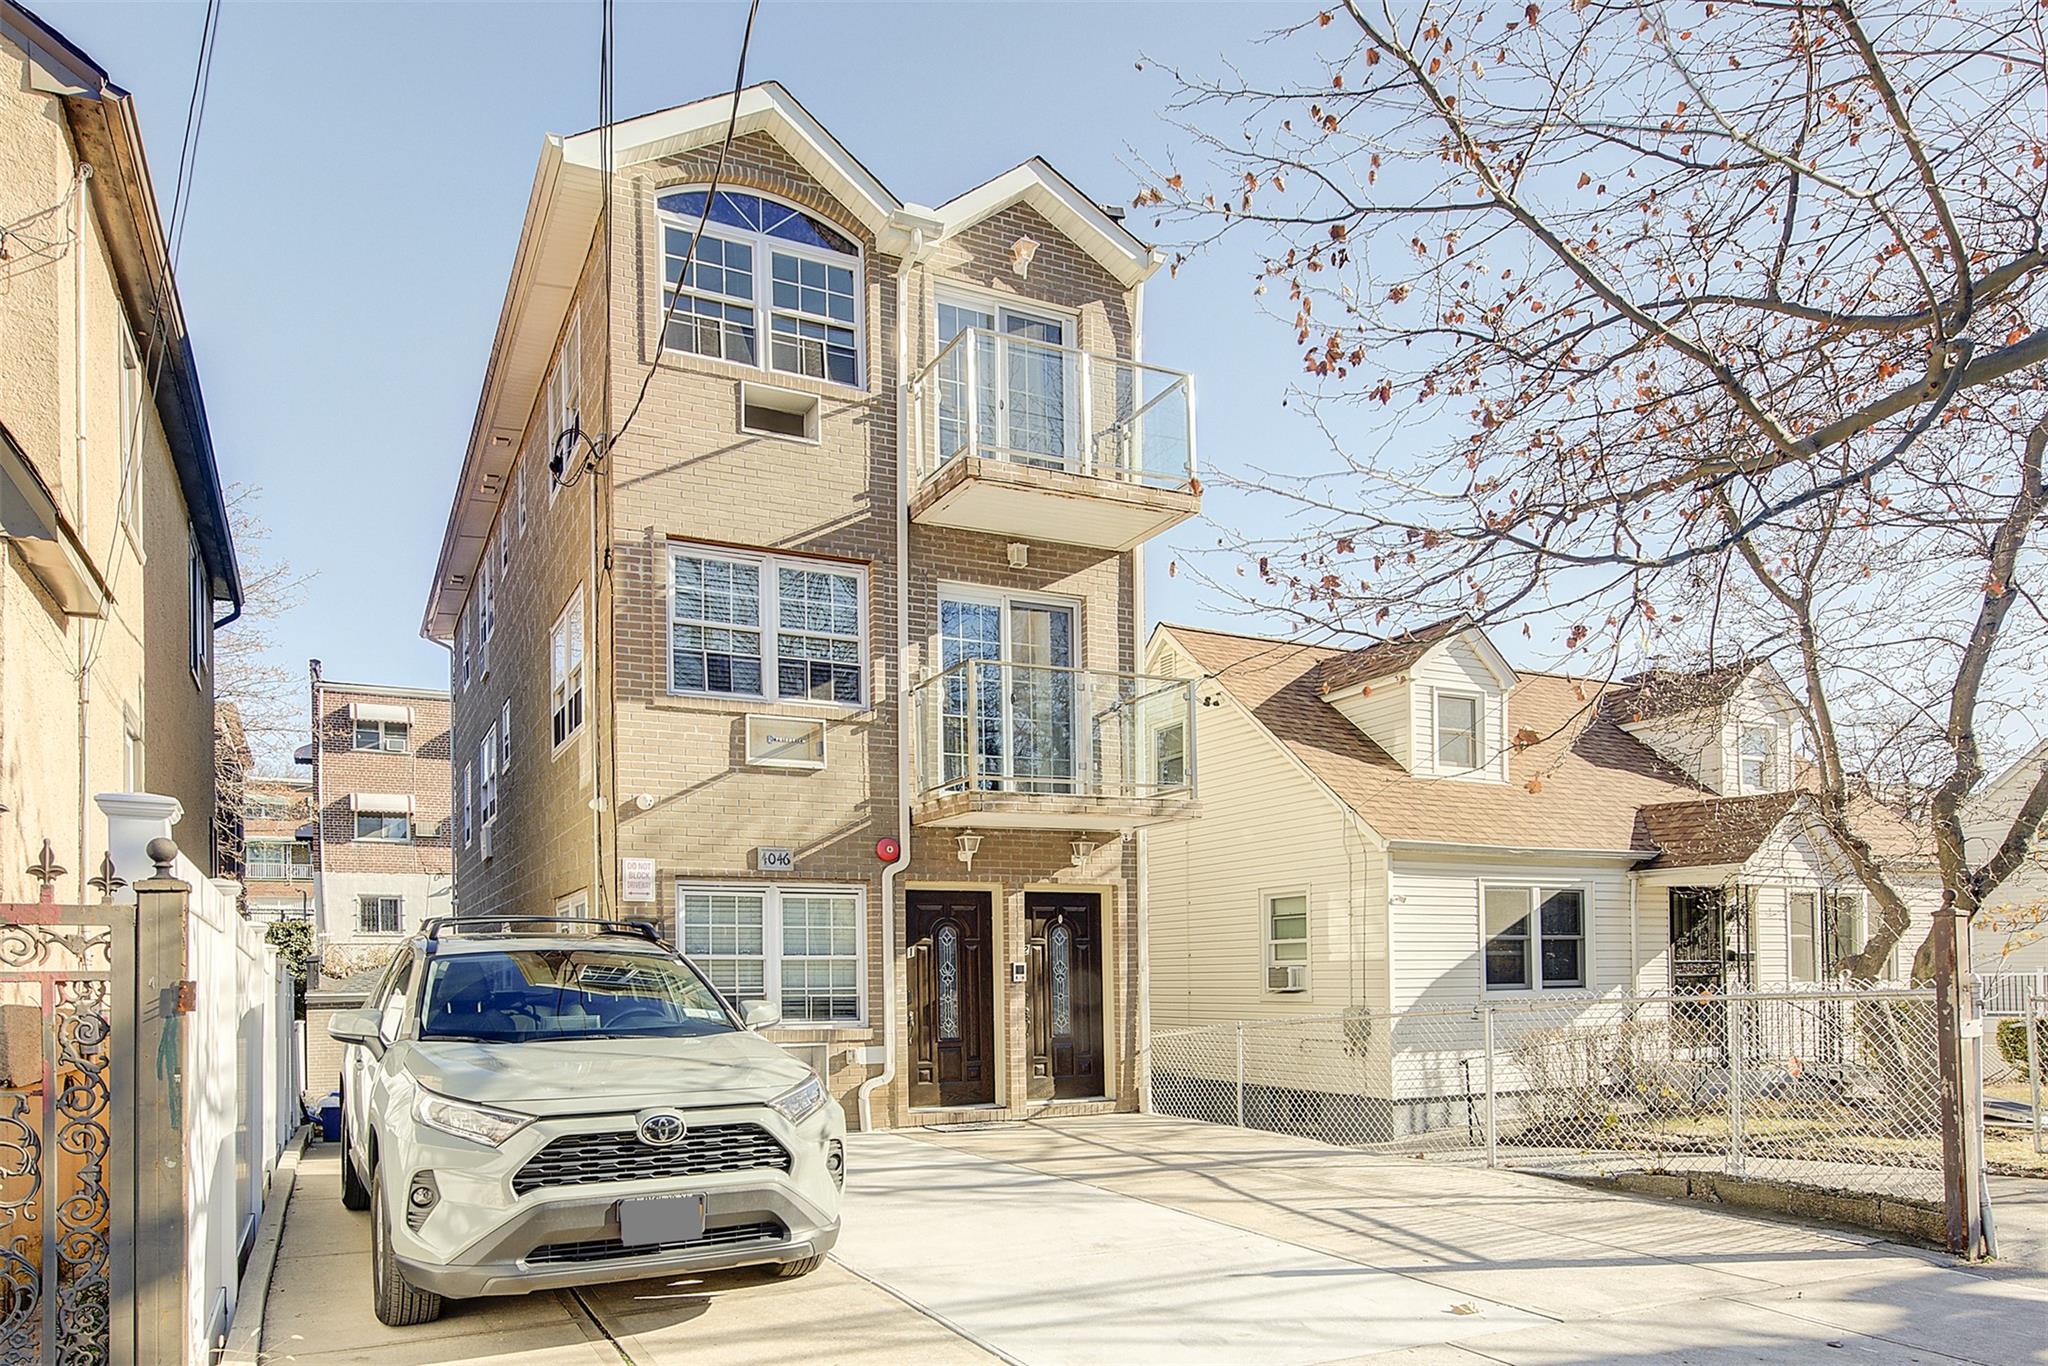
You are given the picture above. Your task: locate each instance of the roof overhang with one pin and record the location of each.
(1468, 848)
(1036, 183)
(107, 136)
(1496, 663)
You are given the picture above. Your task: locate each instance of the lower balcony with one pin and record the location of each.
(1007, 746)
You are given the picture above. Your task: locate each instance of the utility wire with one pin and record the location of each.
(682, 283)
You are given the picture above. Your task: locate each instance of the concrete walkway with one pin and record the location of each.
(1132, 1239)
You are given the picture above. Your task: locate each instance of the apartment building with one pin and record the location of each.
(119, 563)
(379, 834)
(827, 661)
(277, 847)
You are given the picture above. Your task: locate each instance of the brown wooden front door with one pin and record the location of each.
(1065, 1008)
(952, 1019)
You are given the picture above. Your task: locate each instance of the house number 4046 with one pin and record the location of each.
(768, 860)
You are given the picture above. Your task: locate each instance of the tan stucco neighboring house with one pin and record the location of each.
(1418, 824)
(118, 559)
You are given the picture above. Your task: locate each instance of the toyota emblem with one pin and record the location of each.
(662, 1129)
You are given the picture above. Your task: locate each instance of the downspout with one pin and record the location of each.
(894, 871)
(1142, 913)
(85, 633)
(1635, 963)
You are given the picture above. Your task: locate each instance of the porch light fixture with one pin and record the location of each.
(966, 846)
(1021, 252)
(1020, 555)
(1082, 849)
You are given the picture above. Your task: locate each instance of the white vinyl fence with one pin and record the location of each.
(2006, 993)
(1834, 1089)
(234, 1082)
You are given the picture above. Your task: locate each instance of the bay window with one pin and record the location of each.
(761, 266)
(1535, 937)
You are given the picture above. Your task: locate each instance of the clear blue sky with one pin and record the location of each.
(363, 169)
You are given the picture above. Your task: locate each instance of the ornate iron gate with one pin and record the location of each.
(67, 1133)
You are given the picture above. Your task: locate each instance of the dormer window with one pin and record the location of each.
(764, 271)
(1458, 731)
(1756, 753)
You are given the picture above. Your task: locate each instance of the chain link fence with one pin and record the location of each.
(1838, 1090)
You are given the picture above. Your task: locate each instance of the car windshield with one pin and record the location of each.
(522, 995)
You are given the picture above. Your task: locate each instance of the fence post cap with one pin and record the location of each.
(148, 806)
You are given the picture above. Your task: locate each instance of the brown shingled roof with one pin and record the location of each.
(1673, 692)
(1386, 657)
(1710, 831)
(1591, 777)
(1596, 786)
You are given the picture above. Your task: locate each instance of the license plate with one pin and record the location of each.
(661, 1219)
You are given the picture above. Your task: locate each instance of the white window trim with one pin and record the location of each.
(1158, 733)
(574, 670)
(487, 779)
(360, 838)
(1482, 765)
(200, 588)
(564, 400)
(764, 302)
(996, 305)
(383, 734)
(505, 736)
(361, 933)
(769, 628)
(1267, 896)
(1769, 759)
(576, 903)
(1536, 888)
(468, 804)
(519, 490)
(134, 399)
(771, 936)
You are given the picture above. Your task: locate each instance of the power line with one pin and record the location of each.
(739, 82)
(195, 119)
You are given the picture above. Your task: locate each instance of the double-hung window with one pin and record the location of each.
(1459, 732)
(565, 672)
(200, 605)
(505, 736)
(1170, 756)
(468, 805)
(766, 626)
(131, 434)
(278, 860)
(1535, 938)
(1802, 916)
(564, 405)
(1756, 753)
(1286, 917)
(798, 946)
(379, 914)
(761, 267)
(487, 776)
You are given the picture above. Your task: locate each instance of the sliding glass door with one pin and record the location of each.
(1019, 405)
(1010, 726)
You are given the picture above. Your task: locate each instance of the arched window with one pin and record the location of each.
(805, 296)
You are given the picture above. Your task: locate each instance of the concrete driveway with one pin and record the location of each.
(1127, 1239)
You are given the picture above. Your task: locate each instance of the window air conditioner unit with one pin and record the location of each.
(486, 841)
(1288, 977)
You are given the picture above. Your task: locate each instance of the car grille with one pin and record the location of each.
(607, 1249)
(584, 1159)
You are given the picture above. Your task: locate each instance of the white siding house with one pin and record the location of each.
(1415, 826)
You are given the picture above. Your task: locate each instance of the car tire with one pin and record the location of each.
(789, 1271)
(399, 1303)
(354, 1194)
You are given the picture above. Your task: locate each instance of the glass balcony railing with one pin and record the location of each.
(986, 725)
(1015, 399)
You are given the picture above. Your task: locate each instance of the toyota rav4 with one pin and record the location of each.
(527, 1106)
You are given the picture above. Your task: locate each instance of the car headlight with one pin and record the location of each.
(800, 1101)
(466, 1120)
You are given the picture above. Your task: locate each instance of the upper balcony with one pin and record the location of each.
(1006, 746)
(1015, 436)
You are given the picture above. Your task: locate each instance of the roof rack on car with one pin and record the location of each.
(486, 925)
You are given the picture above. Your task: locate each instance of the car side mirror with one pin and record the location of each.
(354, 1026)
(760, 1015)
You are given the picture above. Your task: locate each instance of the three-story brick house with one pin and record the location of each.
(380, 828)
(823, 653)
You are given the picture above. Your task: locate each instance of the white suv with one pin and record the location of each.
(526, 1107)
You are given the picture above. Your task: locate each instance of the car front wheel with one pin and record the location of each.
(789, 1271)
(399, 1303)
(354, 1194)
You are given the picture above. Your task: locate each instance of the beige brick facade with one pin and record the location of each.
(667, 771)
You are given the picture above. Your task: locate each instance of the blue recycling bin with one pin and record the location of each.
(330, 1117)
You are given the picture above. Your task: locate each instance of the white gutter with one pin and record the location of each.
(1517, 851)
(913, 253)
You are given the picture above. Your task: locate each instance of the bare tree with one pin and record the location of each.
(1680, 331)
(259, 703)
